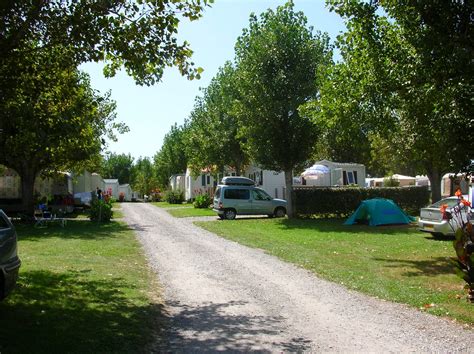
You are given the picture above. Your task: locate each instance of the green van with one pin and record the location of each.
(239, 196)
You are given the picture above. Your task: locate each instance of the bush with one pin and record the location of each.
(391, 182)
(121, 197)
(101, 210)
(202, 201)
(344, 201)
(174, 197)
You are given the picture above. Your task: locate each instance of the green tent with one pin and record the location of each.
(379, 211)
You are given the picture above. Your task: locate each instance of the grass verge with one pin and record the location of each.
(396, 263)
(82, 288)
(190, 212)
(168, 205)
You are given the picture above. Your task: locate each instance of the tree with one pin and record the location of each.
(212, 136)
(338, 117)
(145, 179)
(52, 121)
(278, 60)
(171, 159)
(138, 35)
(118, 166)
(416, 66)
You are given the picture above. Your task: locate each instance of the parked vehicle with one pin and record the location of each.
(431, 218)
(9, 261)
(239, 196)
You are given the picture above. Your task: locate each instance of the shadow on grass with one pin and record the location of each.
(215, 327)
(337, 225)
(426, 268)
(74, 229)
(51, 312)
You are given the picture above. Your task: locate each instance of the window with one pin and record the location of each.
(261, 178)
(350, 177)
(236, 193)
(208, 179)
(260, 195)
(203, 180)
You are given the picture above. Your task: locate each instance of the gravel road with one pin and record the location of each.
(221, 296)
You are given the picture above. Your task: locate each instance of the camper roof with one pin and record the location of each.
(237, 181)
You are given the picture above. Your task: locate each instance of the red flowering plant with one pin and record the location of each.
(460, 221)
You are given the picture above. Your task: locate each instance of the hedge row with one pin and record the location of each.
(344, 201)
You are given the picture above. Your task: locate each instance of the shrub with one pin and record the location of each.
(344, 201)
(121, 196)
(174, 197)
(391, 182)
(101, 210)
(202, 201)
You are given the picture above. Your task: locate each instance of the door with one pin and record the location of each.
(261, 202)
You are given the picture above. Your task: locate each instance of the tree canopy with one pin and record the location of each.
(407, 78)
(171, 159)
(278, 59)
(52, 120)
(213, 139)
(137, 35)
(118, 166)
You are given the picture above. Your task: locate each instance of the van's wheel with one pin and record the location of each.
(280, 212)
(230, 214)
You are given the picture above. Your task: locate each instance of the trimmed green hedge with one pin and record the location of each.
(344, 201)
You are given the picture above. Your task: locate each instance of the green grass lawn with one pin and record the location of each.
(188, 212)
(168, 205)
(83, 288)
(396, 263)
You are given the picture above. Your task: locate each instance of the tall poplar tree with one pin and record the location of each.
(278, 59)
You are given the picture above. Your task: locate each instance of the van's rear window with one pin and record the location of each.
(236, 193)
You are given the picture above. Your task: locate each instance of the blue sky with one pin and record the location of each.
(151, 111)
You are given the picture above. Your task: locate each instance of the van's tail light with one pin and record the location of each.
(221, 205)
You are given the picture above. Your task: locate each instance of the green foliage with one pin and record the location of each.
(172, 158)
(52, 120)
(391, 182)
(405, 83)
(140, 36)
(329, 202)
(118, 166)
(101, 210)
(202, 201)
(174, 197)
(278, 61)
(212, 137)
(144, 176)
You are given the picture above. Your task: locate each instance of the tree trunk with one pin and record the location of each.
(435, 180)
(237, 169)
(289, 193)
(27, 190)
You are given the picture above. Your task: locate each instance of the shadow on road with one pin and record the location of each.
(214, 327)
